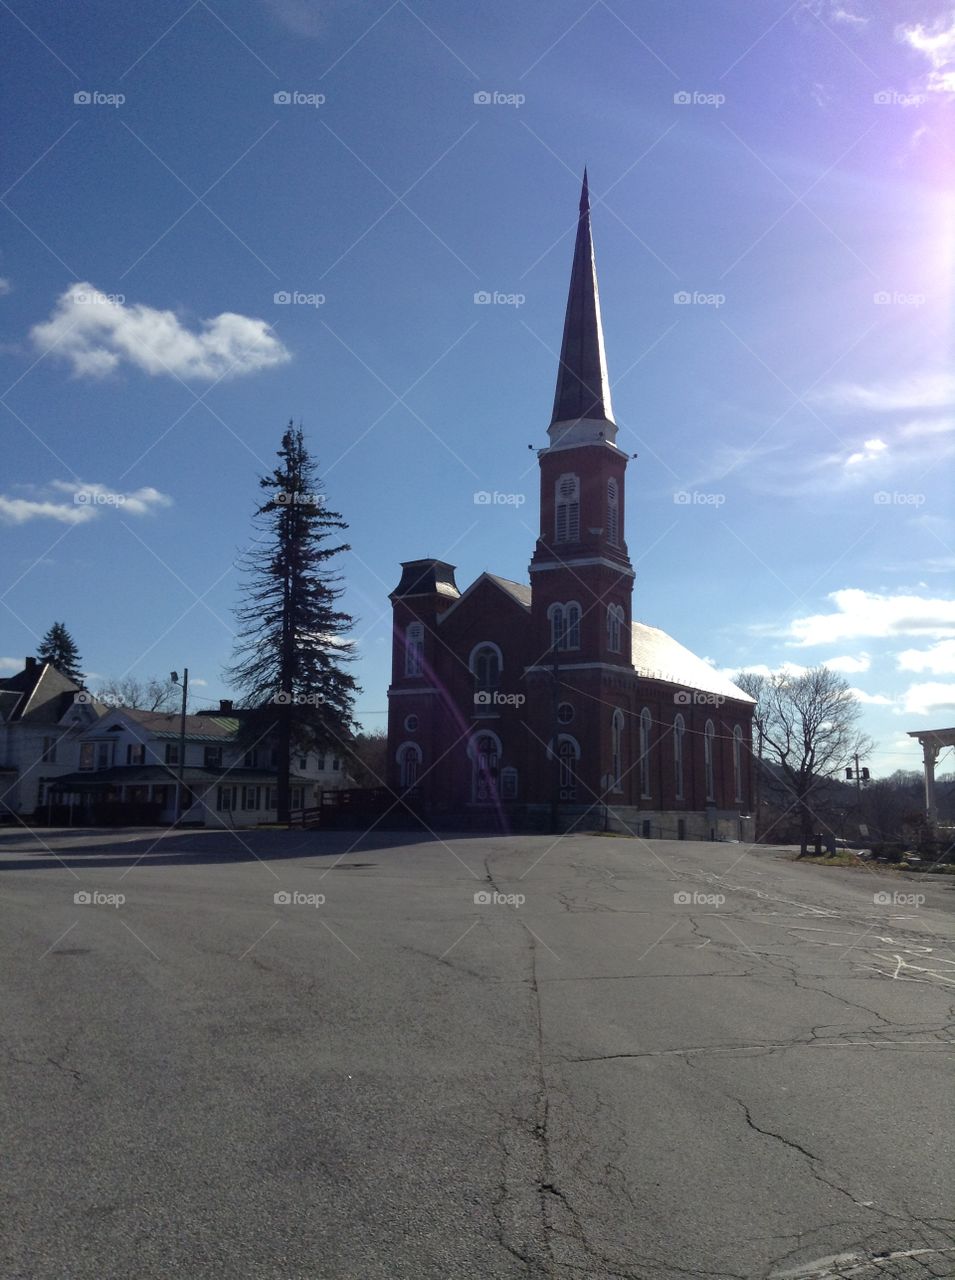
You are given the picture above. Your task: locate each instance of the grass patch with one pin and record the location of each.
(843, 859)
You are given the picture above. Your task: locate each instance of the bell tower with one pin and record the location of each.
(581, 574)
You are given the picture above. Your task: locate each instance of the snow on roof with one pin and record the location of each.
(658, 656)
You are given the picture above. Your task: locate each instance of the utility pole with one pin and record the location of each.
(860, 775)
(180, 784)
(555, 786)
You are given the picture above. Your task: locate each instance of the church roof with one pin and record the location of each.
(658, 656)
(583, 388)
(519, 590)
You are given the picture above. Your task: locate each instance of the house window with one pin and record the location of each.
(303, 762)
(321, 764)
(87, 758)
(225, 799)
(250, 797)
(679, 729)
(268, 801)
(616, 749)
(556, 612)
(296, 797)
(104, 755)
(738, 764)
(411, 724)
(409, 761)
(614, 627)
(336, 764)
(567, 510)
(249, 760)
(509, 784)
(709, 745)
(486, 665)
(136, 753)
(212, 757)
(414, 649)
(645, 728)
(567, 755)
(49, 750)
(613, 513)
(172, 753)
(565, 713)
(487, 755)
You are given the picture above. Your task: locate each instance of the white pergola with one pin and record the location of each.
(932, 741)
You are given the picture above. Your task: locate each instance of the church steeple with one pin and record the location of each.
(582, 408)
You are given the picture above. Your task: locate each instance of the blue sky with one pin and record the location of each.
(773, 211)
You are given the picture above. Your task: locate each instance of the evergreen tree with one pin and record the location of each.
(58, 648)
(290, 658)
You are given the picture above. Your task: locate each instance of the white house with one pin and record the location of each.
(42, 716)
(128, 771)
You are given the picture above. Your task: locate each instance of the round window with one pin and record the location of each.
(411, 724)
(565, 713)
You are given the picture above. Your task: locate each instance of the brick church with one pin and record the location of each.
(545, 705)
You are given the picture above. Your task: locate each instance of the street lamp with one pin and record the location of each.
(180, 784)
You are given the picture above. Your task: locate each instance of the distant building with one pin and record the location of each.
(42, 715)
(127, 771)
(508, 699)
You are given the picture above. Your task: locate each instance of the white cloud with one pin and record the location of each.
(872, 699)
(871, 449)
(918, 391)
(937, 45)
(87, 501)
(846, 17)
(5, 286)
(860, 613)
(928, 699)
(97, 333)
(938, 659)
(11, 664)
(848, 664)
(761, 669)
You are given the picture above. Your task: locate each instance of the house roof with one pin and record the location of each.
(39, 694)
(658, 656)
(519, 590)
(199, 728)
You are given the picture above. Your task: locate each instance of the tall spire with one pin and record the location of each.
(583, 388)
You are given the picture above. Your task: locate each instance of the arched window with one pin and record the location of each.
(572, 626)
(567, 509)
(709, 743)
(568, 754)
(616, 749)
(485, 759)
(613, 512)
(509, 783)
(646, 723)
(486, 664)
(738, 763)
(615, 618)
(679, 729)
(409, 763)
(414, 649)
(564, 625)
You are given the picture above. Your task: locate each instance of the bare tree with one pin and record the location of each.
(809, 731)
(367, 758)
(758, 688)
(151, 694)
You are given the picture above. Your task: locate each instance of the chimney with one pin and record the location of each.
(30, 662)
(225, 704)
